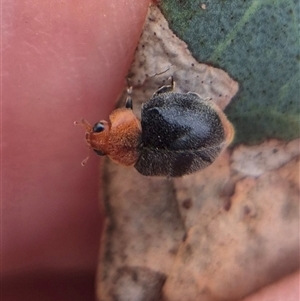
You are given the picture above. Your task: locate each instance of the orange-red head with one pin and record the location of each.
(118, 139)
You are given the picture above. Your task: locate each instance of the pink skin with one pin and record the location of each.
(287, 289)
(62, 60)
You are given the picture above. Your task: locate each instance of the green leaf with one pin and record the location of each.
(257, 43)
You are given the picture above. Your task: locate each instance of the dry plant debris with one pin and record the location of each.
(219, 234)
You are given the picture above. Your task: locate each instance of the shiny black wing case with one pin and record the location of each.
(181, 133)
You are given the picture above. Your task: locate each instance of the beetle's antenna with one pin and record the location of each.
(85, 124)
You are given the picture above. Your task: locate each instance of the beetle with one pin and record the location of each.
(178, 134)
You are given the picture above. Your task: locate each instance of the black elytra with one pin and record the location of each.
(181, 133)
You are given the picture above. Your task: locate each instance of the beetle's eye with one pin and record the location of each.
(99, 152)
(98, 127)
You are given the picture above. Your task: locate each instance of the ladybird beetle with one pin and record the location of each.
(179, 133)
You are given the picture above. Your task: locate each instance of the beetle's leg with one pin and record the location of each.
(83, 162)
(166, 88)
(209, 99)
(128, 103)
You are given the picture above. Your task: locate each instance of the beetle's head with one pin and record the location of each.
(96, 136)
(118, 139)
